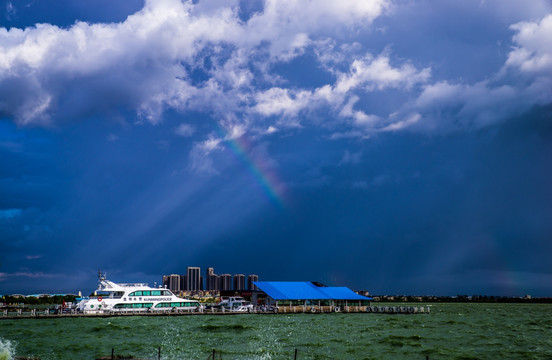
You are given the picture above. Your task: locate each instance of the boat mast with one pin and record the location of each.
(100, 276)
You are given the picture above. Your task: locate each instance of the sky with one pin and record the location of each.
(394, 146)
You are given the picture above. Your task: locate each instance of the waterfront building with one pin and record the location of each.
(193, 280)
(250, 279)
(211, 280)
(174, 283)
(183, 283)
(214, 283)
(239, 282)
(306, 293)
(225, 282)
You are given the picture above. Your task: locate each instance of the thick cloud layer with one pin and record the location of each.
(147, 64)
(48, 72)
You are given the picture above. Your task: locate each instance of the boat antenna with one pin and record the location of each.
(100, 276)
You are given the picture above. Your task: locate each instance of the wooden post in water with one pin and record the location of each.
(159, 354)
(112, 353)
(295, 357)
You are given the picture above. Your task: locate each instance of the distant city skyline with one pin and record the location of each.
(193, 281)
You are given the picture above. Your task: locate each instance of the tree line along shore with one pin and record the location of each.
(462, 299)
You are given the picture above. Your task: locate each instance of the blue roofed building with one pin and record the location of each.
(309, 294)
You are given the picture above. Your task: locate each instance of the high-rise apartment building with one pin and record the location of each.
(239, 282)
(210, 271)
(193, 279)
(211, 280)
(225, 282)
(183, 283)
(250, 279)
(174, 283)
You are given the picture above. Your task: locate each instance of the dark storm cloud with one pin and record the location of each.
(432, 210)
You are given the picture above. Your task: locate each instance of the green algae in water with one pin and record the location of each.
(450, 331)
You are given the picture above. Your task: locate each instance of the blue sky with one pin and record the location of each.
(390, 145)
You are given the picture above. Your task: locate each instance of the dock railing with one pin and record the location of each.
(287, 309)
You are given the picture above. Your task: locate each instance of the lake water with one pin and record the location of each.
(450, 331)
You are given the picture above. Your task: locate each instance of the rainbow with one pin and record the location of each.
(264, 175)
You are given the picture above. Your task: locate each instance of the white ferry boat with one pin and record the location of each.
(113, 297)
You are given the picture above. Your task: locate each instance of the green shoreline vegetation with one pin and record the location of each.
(9, 300)
(463, 299)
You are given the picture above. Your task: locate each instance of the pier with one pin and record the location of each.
(45, 314)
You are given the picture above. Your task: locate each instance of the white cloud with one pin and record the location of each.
(184, 130)
(142, 64)
(283, 20)
(439, 93)
(271, 129)
(524, 81)
(377, 74)
(211, 144)
(278, 101)
(403, 123)
(48, 72)
(533, 53)
(365, 75)
(360, 117)
(446, 107)
(146, 62)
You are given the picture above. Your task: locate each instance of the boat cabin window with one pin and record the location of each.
(151, 293)
(177, 304)
(118, 294)
(133, 306)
